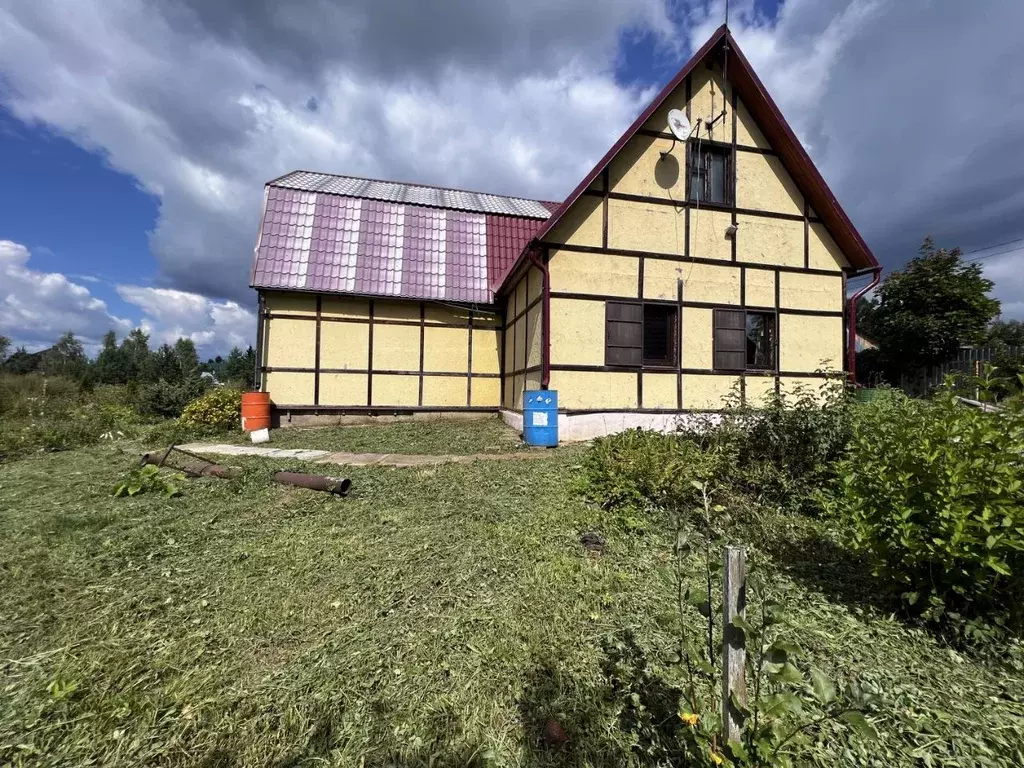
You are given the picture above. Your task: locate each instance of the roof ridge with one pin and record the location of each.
(274, 182)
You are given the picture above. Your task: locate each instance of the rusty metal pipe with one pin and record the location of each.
(339, 487)
(204, 469)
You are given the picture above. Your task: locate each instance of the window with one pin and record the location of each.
(744, 341)
(659, 335)
(641, 334)
(710, 178)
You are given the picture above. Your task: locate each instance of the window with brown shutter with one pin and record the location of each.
(639, 334)
(744, 341)
(624, 333)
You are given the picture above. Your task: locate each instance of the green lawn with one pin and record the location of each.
(451, 436)
(435, 617)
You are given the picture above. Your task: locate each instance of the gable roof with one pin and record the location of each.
(342, 234)
(775, 129)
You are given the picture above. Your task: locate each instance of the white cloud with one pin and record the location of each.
(37, 307)
(510, 96)
(168, 315)
(906, 105)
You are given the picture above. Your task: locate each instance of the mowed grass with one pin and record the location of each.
(444, 436)
(435, 617)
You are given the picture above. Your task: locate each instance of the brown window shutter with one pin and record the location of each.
(730, 340)
(624, 333)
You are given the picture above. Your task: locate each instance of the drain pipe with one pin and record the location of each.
(545, 331)
(851, 343)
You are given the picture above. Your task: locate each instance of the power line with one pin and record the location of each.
(997, 245)
(997, 253)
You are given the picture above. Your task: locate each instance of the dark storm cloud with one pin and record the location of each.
(400, 39)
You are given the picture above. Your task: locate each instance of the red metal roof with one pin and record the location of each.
(775, 129)
(328, 242)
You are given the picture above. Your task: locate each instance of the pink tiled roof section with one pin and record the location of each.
(316, 239)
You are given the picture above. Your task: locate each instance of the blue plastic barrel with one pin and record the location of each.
(540, 417)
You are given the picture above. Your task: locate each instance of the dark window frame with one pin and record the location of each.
(729, 329)
(624, 338)
(699, 165)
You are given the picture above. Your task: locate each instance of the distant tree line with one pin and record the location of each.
(159, 381)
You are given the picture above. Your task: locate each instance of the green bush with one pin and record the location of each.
(638, 470)
(932, 491)
(219, 409)
(165, 399)
(783, 452)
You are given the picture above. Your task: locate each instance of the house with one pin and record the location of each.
(675, 274)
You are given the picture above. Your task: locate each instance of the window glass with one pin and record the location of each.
(760, 332)
(717, 185)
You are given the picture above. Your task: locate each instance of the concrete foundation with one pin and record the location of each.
(574, 428)
(281, 419)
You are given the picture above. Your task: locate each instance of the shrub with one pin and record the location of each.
(785, 451)
(165, 399)
(932, 491)
(638, 470)
(219, 409)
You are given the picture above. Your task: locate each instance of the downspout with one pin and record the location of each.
(545, 333)
(851, 343)
(258, 373)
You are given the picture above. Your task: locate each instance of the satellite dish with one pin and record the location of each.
(679, 124)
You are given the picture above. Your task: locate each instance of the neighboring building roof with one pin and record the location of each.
(340, 234)
(775, 129)
(413, 194)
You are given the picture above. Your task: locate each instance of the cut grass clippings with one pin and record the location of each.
(426, 437)
(435, 617)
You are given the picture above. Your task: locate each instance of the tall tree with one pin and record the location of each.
(65, 358)
(235, 369)
(1009, 333)
(187, 359)
(136, 356)
(22, 361)
(164, 364)
(109, 365)
(924, 312)
(5, 345)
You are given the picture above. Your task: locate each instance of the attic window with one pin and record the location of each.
(710, 174)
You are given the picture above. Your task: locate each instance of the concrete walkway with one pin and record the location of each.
(354, 459)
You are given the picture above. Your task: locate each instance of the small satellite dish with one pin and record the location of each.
(679, 124)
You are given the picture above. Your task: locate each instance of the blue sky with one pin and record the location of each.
(75, 213)
(135, 137)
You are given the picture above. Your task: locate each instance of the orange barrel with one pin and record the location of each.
(255, 411)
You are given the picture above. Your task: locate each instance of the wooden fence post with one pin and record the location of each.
(734, 646)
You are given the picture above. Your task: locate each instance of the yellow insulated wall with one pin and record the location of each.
(379, 353)
(523, 335)
(634, 236)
